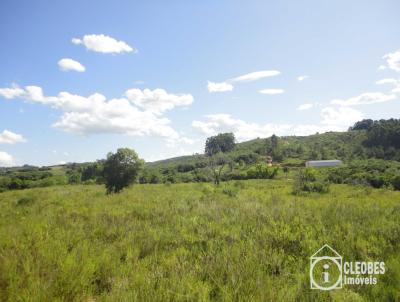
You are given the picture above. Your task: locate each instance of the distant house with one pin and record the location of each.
(323, 163)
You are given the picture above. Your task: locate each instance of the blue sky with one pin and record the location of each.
(161, 76)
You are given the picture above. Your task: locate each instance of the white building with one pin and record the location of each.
(323, 163)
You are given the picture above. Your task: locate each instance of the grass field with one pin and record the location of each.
(244, 241)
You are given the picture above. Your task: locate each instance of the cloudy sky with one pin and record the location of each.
(81, 78)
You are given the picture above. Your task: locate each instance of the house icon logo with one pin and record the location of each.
(326, 269)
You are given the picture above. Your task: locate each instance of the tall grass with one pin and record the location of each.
(243, 241)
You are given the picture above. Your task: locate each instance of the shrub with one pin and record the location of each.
(248, 158)
(185, 168)
(396, 182)
(261, 171)
(187, 178)
(74, 177)
(309, 180)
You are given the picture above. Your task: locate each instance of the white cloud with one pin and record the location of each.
(6, 160)
(104, 44)
(76, 41)
(391, 81)
(365, 98)
(8, 137)
(158, 100)
(305, 106)
(95, 114)
(187, 140)
(12, 92)
(219, 87)
(67, 64)
(174, 143)
(393, 60)
(257, 75)
(271, 91)
(252, 76)
(386, 81)
(342, 116)
(382, 67)
(216, 123)
(302, 78)
(333, 119)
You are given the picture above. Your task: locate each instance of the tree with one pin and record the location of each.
(274, 149)
(223, 142)
(217, 164)
(121, 169)
(93, 172)
(365, 124)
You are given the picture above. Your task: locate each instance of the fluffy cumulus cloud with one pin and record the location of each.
(340, 117)
(248, 77)
(332, 119)
(12, 92)
(393, 60)
(365, 99)
(157, 100)
(137, 114)
(271, 91)
(219, 87)
(104, 44)
(67, 64)
(9, 137)
(305, 106)
(6, 160)
(215, 123)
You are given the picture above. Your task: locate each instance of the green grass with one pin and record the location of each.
(244, 241)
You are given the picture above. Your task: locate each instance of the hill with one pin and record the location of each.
(367, 140)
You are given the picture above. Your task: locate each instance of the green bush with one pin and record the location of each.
(396, 182)
(262, 171)
(373, 172)
(309, 180)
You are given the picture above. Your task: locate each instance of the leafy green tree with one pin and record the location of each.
(362, 125)
(274, 142)
(223, 142)
(121, 169)
(384, 133)
(274, 148)
(93, 172)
